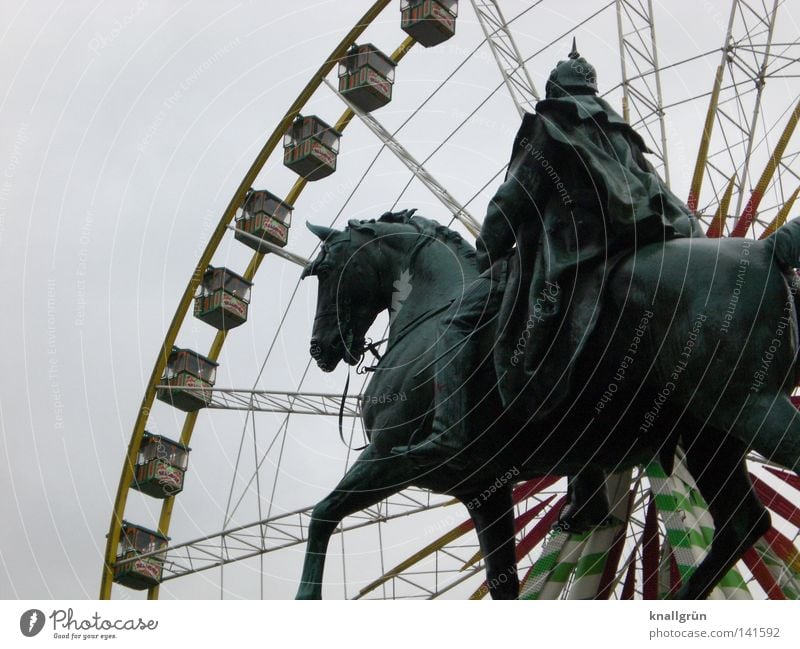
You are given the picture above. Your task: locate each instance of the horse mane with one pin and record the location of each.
(431, 229)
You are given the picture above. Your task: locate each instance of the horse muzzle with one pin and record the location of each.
(315, 349)
(325, 364)
(327, 357)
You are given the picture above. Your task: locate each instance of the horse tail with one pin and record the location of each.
(785, 243)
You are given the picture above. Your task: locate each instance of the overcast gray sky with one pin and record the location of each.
(125, 127)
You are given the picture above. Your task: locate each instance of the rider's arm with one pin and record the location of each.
(516, 197)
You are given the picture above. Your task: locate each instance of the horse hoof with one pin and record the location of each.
(308, 593)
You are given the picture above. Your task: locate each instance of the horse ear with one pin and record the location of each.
(322, 231)
(309, 270)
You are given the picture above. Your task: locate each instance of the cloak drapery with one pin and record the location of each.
(578, 196)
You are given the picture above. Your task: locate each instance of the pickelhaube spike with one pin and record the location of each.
(574, 53)
(575, 76)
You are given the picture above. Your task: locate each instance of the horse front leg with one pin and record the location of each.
(492, 511)
(371, 479)
(321, 527)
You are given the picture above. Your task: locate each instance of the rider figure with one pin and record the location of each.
(578, 196)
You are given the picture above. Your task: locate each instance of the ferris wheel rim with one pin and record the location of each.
(181, 312)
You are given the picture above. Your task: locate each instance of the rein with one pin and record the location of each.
(370, 346)
(341, 416)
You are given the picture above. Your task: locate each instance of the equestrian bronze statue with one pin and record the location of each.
(521, 357)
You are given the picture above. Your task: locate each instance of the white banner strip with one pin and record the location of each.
(287, 625)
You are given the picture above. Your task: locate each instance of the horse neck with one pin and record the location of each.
(436, 276)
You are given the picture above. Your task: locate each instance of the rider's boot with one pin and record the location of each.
(587, 502)
(450, 437)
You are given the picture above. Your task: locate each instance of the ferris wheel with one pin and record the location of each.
(745, 180)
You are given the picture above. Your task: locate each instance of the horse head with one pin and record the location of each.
(351, 293)
(370, 267)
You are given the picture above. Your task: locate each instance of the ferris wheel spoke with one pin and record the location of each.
(641, 92)
(262, 537)
(284, 402)
(271, 247)
(735, 128)
(506, 54)
(416, 168)
(531, 495)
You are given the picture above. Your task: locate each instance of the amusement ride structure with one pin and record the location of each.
(745, 181)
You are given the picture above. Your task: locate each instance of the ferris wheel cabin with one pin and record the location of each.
(429, 22)
(366, 76)
(222, 299)
(160, 466)
(188, 380)
(310, 147)
(139, 572)
(264, 217)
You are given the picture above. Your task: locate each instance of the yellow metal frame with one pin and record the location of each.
(705, 141)
(186, 299)
(781, 216)
(715, 228)
(747, 217)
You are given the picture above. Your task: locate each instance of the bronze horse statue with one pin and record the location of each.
(711, 371)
